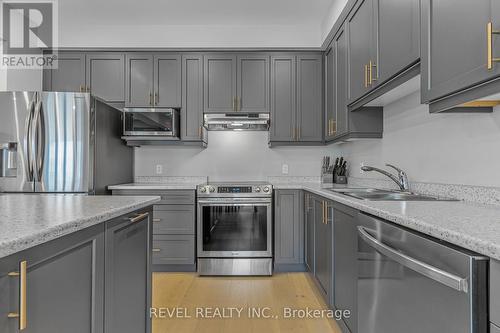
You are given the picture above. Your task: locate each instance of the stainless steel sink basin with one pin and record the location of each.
(372, 194)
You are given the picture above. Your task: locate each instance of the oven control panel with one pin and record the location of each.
(232, 190)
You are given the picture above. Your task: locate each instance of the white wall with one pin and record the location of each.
(436, 148)
(331, 17)
(23, 79)
(231, 156)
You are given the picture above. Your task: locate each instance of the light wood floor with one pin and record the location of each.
(187, 290)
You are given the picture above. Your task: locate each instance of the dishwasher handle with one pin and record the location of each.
(434, 273)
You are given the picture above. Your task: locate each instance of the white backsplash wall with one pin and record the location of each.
(231, 156)
(436, 148)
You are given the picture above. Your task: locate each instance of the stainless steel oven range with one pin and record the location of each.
(235, 229)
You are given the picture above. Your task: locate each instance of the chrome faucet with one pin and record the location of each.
(401, 179)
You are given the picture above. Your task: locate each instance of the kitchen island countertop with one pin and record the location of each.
(27, 220)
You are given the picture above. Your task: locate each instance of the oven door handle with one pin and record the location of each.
(432, 272)
(235, 201)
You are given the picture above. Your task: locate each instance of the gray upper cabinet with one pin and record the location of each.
(167, 80)
(283, 98)
(455, 45)
(330, 92)
(345, 261)
(128, 264)
(106, 76)
(309, 98)
(362, 51)
(139, 80)
(253, 83)
(398, 24)
(192, 97)
(323, 250)
(69, 76)
(289, 228)
(220, 83)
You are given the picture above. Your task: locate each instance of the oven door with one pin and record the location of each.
(234, 228)
(152, 122)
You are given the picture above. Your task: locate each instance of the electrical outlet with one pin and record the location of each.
(284, 169)
(159, 169)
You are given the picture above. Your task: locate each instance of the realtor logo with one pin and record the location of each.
(29, 34)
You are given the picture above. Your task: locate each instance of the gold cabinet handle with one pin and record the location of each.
(298, 133)
(366, 76)
(138, 218)
(326, 212)
(157, 98)
(156, 220)
(156, 250)
(323, 209)
(150, 98)
(490, 32)
(23, 268)
(199, 132)
(371, 65)
(234, 103)
(88, 89)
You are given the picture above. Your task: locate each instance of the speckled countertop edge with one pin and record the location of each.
(37, 237)
(476, 227)
(153, 186)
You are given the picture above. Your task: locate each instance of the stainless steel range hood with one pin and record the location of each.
(236, 121)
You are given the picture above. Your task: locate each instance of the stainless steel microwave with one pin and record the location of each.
(162, 122)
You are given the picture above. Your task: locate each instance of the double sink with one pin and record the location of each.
(372, 194)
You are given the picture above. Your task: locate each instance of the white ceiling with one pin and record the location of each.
(194, 23)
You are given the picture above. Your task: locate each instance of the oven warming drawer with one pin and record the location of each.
(235, 266)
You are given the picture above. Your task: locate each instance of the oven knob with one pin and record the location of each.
(203, 190)
(257, 189)
(266, 189)
(212, 189)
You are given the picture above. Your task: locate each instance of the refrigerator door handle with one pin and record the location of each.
(28, 140)
(39, 136)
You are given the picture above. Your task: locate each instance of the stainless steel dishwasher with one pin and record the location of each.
(411, 283)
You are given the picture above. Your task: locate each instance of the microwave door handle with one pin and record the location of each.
(429, 271)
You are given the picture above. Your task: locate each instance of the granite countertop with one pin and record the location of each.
(27, 220)
(472, 226)
(158, 186)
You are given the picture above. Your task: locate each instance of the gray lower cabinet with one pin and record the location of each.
(220, 83)
(289, 230)
(192, 97)
(398, 41)
(128, 275)
(70, 74)
(447, 65)
(309, 232)
(106, 76)
(139, 80)
(309, 97)
(167, 80)
(174, 234)
(94, 280)
(345, 262)
(495, 292)
(323, 246)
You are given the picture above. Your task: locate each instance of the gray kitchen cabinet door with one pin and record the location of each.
(323, 245)
(283, 98)
(64, 286)
(309, 232)
(174, 249)
(139, 80)
(454, 46)
(398, 24)
(173, 219)
(309, 97)
(128, 275)
(495, 292)
(341, 127)
(167, 80)
(106, 76)
(361, 29)
(220, 83)
(345, 262)
(192, 97)
(69, 75)
(289, 227)
(253, 83)
(330, 92)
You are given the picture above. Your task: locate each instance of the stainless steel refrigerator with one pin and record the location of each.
(61, 142)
